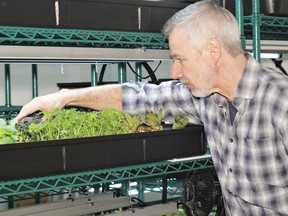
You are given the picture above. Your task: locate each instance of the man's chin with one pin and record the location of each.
(196, 93)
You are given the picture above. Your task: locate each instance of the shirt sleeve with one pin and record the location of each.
(283, 128)
(171, 96)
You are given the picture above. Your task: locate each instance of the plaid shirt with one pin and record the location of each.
(250, 155)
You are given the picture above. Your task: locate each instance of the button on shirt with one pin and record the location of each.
(249, 151)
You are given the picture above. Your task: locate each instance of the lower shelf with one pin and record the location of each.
(70, 180)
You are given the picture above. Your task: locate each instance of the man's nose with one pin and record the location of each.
(175, 71)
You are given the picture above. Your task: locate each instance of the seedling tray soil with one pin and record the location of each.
(42, 158)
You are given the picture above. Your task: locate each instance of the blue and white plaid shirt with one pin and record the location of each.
(251, 155)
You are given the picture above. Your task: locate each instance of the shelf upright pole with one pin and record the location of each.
(10, 202)
(239, 17)
(34, 80)
(7, 85)
(37, 197)
(141, 189)
(138, 68)
(164, 188)
(122, 72)
(256, 22)
(94, 74)
(125, 187)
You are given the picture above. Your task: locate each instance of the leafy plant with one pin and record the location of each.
(8, 132)
(72, 123)
(151, 122)
(179, 122)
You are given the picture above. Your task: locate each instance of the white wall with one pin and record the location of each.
(51, 74)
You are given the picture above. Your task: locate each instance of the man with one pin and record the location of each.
(242, 105)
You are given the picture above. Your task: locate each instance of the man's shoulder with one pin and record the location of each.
(274, 78)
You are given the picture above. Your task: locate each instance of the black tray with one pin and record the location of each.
(34, 159)
(119, 15)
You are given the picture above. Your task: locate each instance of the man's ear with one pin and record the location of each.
(213, 49)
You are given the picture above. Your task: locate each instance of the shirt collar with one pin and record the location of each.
(247, 85)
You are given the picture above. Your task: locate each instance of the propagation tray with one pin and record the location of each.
(42, 158)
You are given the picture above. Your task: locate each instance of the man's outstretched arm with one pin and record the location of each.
(98, 98)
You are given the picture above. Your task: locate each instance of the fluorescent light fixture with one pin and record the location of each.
(270, 55)
(45, 54)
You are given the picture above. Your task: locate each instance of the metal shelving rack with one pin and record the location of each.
(40, 45)
(262, 33)
(118, 46)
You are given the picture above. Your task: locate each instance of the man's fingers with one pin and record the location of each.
(21, 115)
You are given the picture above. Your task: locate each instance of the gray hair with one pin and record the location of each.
(205, 20)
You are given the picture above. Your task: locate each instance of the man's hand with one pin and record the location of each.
(46, 102)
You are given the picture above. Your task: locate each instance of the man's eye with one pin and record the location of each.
(176, 59)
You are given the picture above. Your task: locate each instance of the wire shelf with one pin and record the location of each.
(271, 27)
(12, 35)
(47, 183)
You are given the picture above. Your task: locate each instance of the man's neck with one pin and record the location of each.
(230, 73)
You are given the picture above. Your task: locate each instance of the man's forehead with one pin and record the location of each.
(177, 43)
